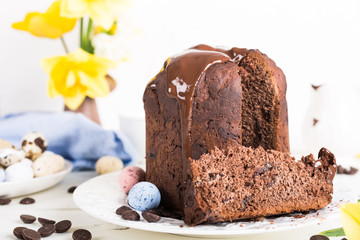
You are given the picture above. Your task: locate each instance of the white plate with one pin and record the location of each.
(104, 193)
(19, 188)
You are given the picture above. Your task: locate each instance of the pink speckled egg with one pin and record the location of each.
(130, 176)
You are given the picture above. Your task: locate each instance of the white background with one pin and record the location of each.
(314, 42)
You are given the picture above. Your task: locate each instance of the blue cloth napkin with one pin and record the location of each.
(71, 135)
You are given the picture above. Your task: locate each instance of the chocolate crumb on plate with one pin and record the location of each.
(72, 189)
(5, 201)
(62, 226)
(47, 230)
(29, 234)
(315, 121)
(27, 200)
(150, 217)
(315, 87)
(18, 232)
(122, 209)
(130, 215)
(342, 170)
(44, 221)
(82, 234)
(319, 237)
(27, 218)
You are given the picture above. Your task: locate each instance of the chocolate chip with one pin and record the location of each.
(47, 230)
(212, 176)
(27, 218)
(248, 184)
(122, 209)
(5, 201)
(72, 189)
(245, 202)
(190, 200)
(315, 121)
(18, 232)
(27, 200)
(62, 226)
(130, 215)
(29, 234)
(315, 87)
(44, 221)
(150, 217)
(82, 234)
(23, 143)
(319, 237)
(263, 169)
(342, 170)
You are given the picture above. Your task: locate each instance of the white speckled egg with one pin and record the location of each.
(129, 176)
(108, 164)
(6, 144)
(18, 172)
(9, 156)
(34, 144)
(144, 196)
(48, 164)
(27, 162)
(2, 175)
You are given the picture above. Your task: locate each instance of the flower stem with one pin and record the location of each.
(89, 33)
(64, 44)
(85, 37)
(82, 45)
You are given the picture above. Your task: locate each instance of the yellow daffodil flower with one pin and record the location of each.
(102, 12)
(350, 217)
(49, 24)
(76, 76)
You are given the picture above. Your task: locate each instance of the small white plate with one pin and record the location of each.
(104, 193)
(19, 188)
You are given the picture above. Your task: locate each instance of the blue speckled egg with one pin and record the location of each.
(2, 175)
(144, 196)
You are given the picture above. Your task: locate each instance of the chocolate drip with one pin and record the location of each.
(183, 73)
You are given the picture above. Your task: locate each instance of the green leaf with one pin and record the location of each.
(337, 232)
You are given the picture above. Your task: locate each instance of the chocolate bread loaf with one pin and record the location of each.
(206, 98)
(242, 182)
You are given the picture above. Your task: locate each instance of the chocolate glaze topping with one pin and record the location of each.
(184, 71)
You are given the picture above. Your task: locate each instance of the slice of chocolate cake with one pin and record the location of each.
(242, 182)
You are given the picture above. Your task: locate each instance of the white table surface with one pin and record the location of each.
(57, 204)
